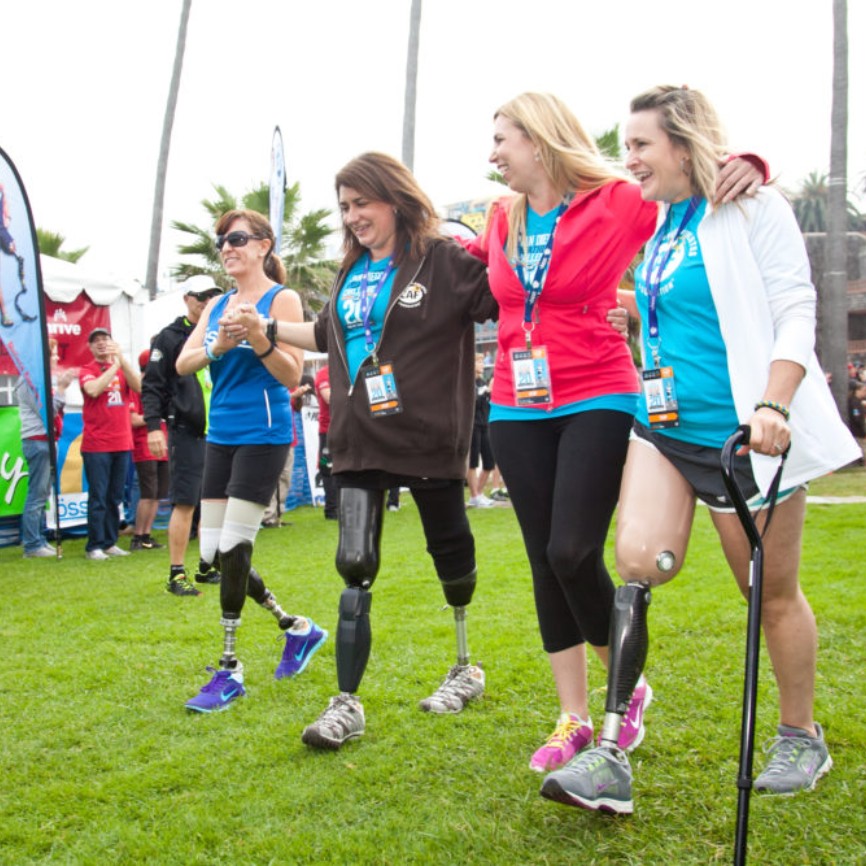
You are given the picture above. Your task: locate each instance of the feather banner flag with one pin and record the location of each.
(277, 188)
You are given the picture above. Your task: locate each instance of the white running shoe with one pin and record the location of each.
(462, 684)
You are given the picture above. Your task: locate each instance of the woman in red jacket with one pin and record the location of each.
(565, 387)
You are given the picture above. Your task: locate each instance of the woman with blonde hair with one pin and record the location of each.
(565, 387)
(728, 309)
(249, 435)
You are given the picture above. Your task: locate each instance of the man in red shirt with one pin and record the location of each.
(106, 441)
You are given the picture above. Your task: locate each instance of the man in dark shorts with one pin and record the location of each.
(181, 402)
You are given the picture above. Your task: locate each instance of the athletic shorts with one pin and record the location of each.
(701, 466)
(481, 447)
(153, 478)
(186, 465)
(248, 472)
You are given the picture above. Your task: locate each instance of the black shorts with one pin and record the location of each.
(186, 465)
(248, 472)
(153, 478)
(701, 466)
(481, 447)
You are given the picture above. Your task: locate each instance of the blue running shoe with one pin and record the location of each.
(223, 689)
(299, 649)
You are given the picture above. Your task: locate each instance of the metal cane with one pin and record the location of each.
(753, 630)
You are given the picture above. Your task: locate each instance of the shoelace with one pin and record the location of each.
(455, 681)
(564, 730)
(339, 711)
(216, 681)
(785, 751)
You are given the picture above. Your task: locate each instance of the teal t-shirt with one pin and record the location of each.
(689, 338)
(350, 309)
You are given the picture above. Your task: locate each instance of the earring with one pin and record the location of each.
(537, 157)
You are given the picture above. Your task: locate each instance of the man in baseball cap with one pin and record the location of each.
(202, 287)
(181, 401)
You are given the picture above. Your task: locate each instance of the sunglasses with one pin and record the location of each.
(236, 239)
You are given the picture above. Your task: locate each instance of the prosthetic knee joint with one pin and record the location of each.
(458, 593)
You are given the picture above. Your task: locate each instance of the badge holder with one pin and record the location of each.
(382, 393)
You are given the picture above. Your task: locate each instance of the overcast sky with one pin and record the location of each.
(85, 86)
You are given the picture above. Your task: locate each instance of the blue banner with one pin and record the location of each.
(277, 190)
(22, 308)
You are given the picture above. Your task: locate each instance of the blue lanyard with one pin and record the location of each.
(368, 303)
(654, 274)
(533, 287)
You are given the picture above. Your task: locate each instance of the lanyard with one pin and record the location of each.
(654, 274)
(368, 303)
(532, 287)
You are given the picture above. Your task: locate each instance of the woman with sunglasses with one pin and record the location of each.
(399, 330)
(248, 438)
(728, 308)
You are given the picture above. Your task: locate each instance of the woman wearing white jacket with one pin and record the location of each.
(728, 323)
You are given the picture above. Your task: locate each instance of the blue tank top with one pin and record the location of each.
(248, 406)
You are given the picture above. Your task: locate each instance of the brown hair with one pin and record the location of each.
(273, 264)
(380, 177)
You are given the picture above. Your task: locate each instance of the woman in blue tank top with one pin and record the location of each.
(249, 436)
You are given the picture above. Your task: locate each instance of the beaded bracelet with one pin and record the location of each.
(210, 355)
(783, 410)
(266, 352)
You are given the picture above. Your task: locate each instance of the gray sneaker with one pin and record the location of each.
(462, 684)
(598, 779)
(342, 720)
(796, 761)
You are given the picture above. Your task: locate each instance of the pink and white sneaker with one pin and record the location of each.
(632, 731)
(571, 735)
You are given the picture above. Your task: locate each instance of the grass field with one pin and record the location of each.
(101, 764)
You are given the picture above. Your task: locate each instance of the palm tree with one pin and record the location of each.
(834, 307)
(411, 85)
(811, 203)
(51, 243)
(162, 162)
(303, 243)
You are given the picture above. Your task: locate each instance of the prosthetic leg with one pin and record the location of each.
(358, 564)
(629, 643)
(233, 590)
(259, 593)
(458, 594)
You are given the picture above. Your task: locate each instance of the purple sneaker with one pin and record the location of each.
(224, 688)
(632, 731)
(571, 735)
(299, 649)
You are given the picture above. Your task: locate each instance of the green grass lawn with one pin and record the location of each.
(101, 763)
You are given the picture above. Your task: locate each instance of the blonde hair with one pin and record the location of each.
(690, 121)
(569, 156)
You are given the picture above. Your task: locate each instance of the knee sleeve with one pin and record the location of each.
(360, 533)
(353, 638)
(629, 643)
(458, 593)
(235, 565)
(209, 528)
(256, 588)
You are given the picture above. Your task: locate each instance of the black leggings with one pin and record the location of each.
(563, 477)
